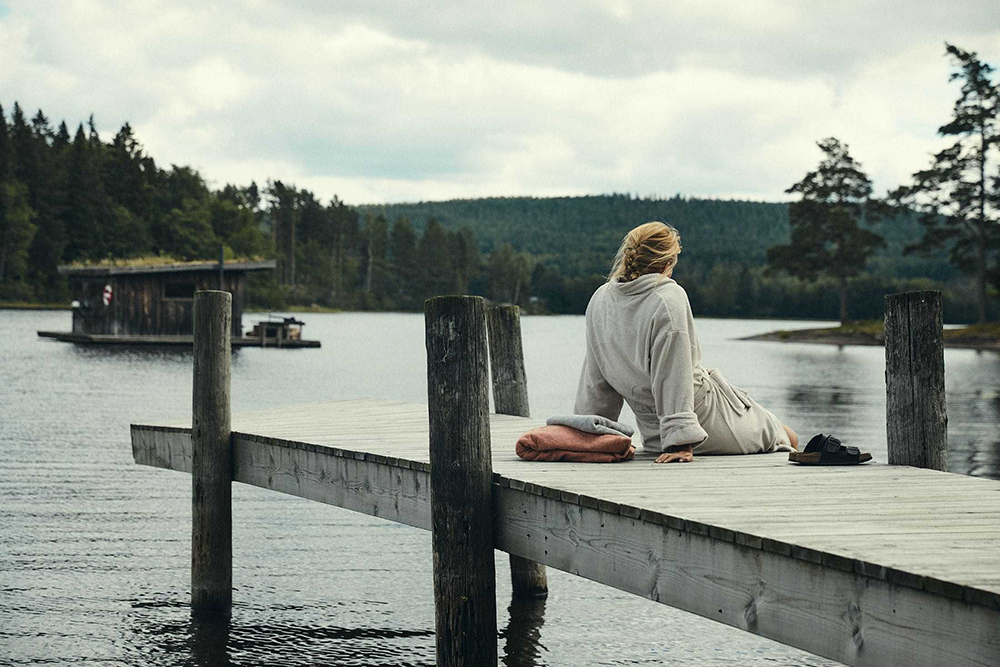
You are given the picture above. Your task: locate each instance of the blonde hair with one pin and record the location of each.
(649, 248)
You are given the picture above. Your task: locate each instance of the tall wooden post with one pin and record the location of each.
(510, 397)
(916, 414)
(461, 482)
(211, 500)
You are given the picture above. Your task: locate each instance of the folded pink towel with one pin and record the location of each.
(562, 443)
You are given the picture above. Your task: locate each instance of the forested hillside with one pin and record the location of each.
(567, 244)
(579, 235)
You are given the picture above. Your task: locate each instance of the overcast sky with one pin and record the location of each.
(407, 101)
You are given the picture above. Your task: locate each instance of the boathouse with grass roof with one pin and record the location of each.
(152, 299)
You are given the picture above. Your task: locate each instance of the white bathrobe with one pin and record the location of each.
(642, 348)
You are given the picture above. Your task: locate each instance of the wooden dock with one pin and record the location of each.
(869, 565)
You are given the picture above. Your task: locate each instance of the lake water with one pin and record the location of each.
(94, 550)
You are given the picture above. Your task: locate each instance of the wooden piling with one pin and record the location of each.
(211, 500)
(461, 482)
(222, 268)
(510, 397)
(916, 414)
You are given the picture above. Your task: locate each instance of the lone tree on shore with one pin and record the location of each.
(827, 237)
(958, 196)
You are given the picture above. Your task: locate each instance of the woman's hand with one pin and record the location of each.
(679, 455)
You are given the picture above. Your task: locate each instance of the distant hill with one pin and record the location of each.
(579, 235)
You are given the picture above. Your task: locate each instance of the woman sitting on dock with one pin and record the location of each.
(642, 348)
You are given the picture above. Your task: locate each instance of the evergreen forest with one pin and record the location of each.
(69, 196)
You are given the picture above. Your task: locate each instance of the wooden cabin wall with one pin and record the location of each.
(140, 305)
(134, 305)
(177, 315)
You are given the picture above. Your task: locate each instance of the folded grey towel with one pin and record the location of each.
(591, 424)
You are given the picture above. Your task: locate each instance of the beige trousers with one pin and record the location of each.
(735, 423)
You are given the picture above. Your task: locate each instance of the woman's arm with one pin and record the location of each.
(672, 373)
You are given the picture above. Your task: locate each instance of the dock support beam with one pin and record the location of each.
(211, 498)
(461, 482)
(916, 414)
(510, 397)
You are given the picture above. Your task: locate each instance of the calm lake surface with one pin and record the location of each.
(94, 550)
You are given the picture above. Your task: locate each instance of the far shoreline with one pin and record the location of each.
(983, 337)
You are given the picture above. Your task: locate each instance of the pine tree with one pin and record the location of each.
(39, 174)
(722, 291)
(465, 257)
(41, 129)
(16, 233)
(376, 246)
(6, 165)
(436, 273)
(5, 176)
(16, 216)
(62, 138)
(509, 274)
(22, 145)
(92, 135)
(403, 246)
(827, 238)
(284, 214)
(87, 205)
(125, 174)
(958, 196)
(344, 227)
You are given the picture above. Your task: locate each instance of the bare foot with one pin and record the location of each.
(793, 437)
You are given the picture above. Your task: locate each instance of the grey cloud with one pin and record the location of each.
(446, 98)
(793, 38)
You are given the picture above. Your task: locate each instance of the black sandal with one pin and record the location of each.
(826, 450)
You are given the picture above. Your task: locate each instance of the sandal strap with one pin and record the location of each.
(835, 452)
(816, 443)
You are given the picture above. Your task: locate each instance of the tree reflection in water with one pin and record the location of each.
(973, 440)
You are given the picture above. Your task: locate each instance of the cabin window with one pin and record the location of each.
(179, 290)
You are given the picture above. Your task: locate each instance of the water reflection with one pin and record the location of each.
(522, 636)
(973, 415)
(976, 459)
(813, 396)
(281, 635)
(208, 641)
(135, 352)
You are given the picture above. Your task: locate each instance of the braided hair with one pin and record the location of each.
(649, 248)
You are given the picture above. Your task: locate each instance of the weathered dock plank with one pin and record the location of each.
(864, 565)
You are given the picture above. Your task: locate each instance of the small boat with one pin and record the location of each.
(278, 331)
